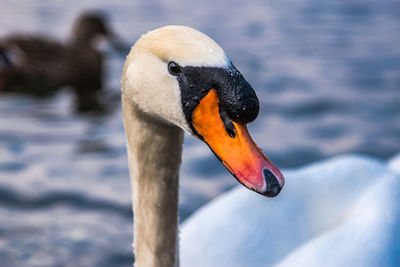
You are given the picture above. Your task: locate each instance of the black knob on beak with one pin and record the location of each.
(238, 97)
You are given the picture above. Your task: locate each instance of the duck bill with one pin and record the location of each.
(236, 149)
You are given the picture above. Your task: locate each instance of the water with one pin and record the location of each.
(327, 76)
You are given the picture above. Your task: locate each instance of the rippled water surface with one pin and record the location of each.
(327, 76)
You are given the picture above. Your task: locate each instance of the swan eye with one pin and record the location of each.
(174, 68)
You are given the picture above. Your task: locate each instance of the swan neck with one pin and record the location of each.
(154, 152)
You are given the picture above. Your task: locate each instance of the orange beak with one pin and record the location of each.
(237, 151)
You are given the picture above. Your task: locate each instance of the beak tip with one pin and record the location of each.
(272, 185)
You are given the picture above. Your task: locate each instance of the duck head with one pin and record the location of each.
(93, 25)
(182, 77)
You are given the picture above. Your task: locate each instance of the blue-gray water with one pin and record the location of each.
(327, 75)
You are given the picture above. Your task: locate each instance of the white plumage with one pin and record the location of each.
(340, 212)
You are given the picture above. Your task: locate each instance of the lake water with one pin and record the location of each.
(327, 75)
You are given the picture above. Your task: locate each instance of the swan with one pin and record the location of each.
(177, 79)
(40, 65)
(343, 211)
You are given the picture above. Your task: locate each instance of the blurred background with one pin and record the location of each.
(327, 75)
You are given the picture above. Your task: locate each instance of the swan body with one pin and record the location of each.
(178, 79)
(339, 212)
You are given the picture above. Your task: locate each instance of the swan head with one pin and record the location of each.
(183, 77)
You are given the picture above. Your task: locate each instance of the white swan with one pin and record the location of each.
(178, 78)
(341, 212)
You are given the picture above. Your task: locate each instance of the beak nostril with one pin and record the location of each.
(229, 127)
(272, 185)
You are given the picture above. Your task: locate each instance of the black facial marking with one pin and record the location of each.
(237, 98)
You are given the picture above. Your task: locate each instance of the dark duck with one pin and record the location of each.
(39, 65)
